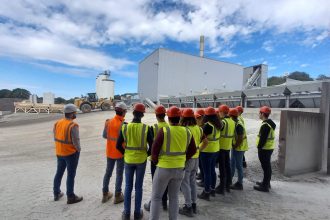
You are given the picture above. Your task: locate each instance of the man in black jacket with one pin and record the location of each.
(266, 145)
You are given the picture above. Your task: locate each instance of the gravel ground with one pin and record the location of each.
(28, 165)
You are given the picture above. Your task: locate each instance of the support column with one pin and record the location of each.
(325, 109)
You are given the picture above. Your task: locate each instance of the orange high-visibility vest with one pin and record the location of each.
(62, 137)
(113, 131)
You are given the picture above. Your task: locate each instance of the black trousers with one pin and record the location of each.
(265, 158)
(153, 170)
(224, 169)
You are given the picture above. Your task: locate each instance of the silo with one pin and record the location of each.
(48, 98)
(104, 85)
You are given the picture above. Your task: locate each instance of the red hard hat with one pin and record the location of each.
(265, 109)
(210, 111)
(224, 109)
(139, 107)
(174, 111)
(188, 113)
(240, 109)
(233, 112)
(160, 110)
(217, 110)
(200, 112)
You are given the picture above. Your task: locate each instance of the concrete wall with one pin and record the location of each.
(300, 142)
(7, 104)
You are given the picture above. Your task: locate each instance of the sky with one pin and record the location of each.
(61, 46)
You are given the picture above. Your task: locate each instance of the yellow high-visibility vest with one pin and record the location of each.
(270, 143)
(227, 134)
(244, 145)
(197, 133)
(213, 145)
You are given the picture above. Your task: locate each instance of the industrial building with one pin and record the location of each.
(105, 87)
(165, 73)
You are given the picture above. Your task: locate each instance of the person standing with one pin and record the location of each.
(241, 119)
(172, 147)
(188, 185)
(209, 152)
(67, 145)
(111, 132)
(226, 139)
(239, 148)
(136, 135)
(160, 113)
(199, 114)
(266, 145)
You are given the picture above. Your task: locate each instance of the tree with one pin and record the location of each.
(59, 100)
(117, 97)
(275, 80)
(5, 93)
(322, 77)
(302, 76)
(20, 93)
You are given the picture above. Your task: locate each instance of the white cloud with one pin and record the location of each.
(227, 54)
(72, 32)
(268, 46)
(304, 65)
(272, 67)
(128, 74)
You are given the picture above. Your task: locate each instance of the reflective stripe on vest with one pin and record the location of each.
(62, 137)
(227, 134)
(142, 146)
(270, 141)
(168, 144)
(244, 145)
(197, 133)
(68, 130)
(213, 144)
(174, 147)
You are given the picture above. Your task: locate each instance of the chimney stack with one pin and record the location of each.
(201, 46)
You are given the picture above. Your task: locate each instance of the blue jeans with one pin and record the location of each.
(237, 163)
(208, 164)
(108, 173)
(70, 162)
(130, 169)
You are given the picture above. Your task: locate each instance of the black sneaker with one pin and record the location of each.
(138, 216)
(260, 183)
(204, 195)
(237, 186)
(187, 211)
(164, 203)
(212, 193)
(194, 208)
(125, 216)
(220, 190)
(261, 188)
(58, 196)
(147, 206)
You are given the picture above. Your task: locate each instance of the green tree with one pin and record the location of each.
(322, 77)
(59, 100)
(275, 80)
(5, 93)
(302, 76)
(20, 93)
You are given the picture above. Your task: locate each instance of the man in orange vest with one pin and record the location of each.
(111, 132)
(67, 144)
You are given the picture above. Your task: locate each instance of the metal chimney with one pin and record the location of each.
(201, 46)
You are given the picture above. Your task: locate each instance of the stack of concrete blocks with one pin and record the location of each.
(304, 139)
(49, 98)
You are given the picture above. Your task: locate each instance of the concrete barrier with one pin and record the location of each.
(300, 142)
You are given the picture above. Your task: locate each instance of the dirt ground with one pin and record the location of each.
(28, 165)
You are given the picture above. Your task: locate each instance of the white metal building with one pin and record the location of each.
(166, 73)
(105, 86)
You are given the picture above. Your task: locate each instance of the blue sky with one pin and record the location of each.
(60, 46)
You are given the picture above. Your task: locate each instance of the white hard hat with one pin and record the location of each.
(121, 105)
(70, 108)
